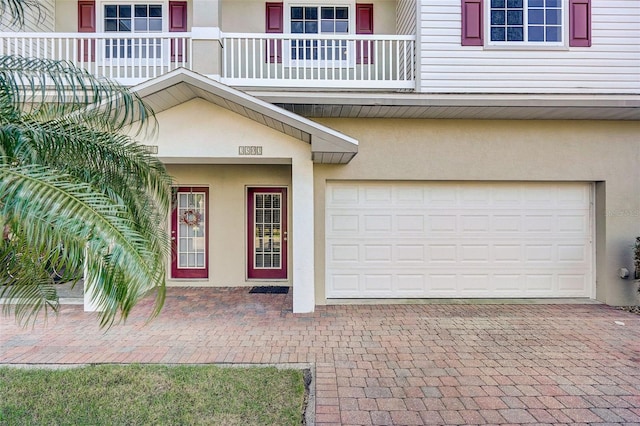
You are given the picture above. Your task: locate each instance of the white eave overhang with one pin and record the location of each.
(457, 106)
(327, 145)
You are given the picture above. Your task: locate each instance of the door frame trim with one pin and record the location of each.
(285, 222)
(174, 242)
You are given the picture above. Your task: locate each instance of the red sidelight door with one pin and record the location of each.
(267, 233)
(190, 233)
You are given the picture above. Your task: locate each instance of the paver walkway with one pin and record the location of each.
(381, 364)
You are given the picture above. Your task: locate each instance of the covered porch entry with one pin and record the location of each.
(243, 211)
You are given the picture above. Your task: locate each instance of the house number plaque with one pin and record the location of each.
(250, 150)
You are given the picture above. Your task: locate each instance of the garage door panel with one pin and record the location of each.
(571, 285)
(458, 240)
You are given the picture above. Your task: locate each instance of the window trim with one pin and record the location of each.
(100, 27)
(100, 13)
(286, 54)
(527, 45)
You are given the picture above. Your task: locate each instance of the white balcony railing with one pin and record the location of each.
(248, 60)
(129, 59)
(323, 61)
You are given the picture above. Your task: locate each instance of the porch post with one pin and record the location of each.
(302, 242)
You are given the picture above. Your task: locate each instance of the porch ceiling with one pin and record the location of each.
(179, 86)
(451, 106)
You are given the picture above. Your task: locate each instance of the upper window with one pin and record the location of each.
(314, 20)
(319, 20)
(133, 18)
(129, 18)
(529, 21)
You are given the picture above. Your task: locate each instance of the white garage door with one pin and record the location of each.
(458, 240)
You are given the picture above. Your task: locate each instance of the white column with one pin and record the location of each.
(303, 240)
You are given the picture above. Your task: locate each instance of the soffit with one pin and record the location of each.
(180, 86)
(479, 107)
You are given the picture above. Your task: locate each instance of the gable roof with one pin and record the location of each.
(328, 146)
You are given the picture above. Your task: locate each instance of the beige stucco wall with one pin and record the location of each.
(230, 15)
(248, 16)
(455, 150)
(66, 16)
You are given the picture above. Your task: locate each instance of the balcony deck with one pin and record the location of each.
(372, 62)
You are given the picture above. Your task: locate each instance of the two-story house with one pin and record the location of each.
(394, 149)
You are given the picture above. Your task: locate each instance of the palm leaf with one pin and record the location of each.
(48, 206)
(47, 89)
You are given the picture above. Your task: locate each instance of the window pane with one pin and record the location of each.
(327, 27)
(124, 11)
(342, 13)
(514, 17)
(497, 3)
(498, 17)
(311, 27)
(296, 13)
(515, 34)
(554, 17)
(110, 11)
(297, 27)
(536, 3)
(536, 33)
(514, 4)
(554, 34)
(553, 3)
(141, 24)
(342, 27)
(155, 11)
(311, 13)
(536, 16)
(124, 25)
(498, 34)
(110, 25)
(327, 13)
(141, 11)
(155, 25)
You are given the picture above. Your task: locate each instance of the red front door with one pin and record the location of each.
(267, 233)
(189, 233)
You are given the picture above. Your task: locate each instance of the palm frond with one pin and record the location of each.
(15, 11)
(26, 283)
(52, 207)
(44, 89)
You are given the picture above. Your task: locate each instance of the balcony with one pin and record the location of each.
(371, 62)
(341, 62)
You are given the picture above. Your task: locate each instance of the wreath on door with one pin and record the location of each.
(191, 217)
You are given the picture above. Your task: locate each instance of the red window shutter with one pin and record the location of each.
(580, 23)
(178, 23)
(86, 24)
(274, 23)
(472, 13)
(364, 25)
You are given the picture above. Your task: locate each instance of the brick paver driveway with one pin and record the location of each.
(381, 364)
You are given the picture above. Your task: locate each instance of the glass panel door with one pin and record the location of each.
(189, 234)
(267, 231)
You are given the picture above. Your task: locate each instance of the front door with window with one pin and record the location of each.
(267, 233)
(189, 233)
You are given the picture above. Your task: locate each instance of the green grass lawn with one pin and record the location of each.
(151, 395)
